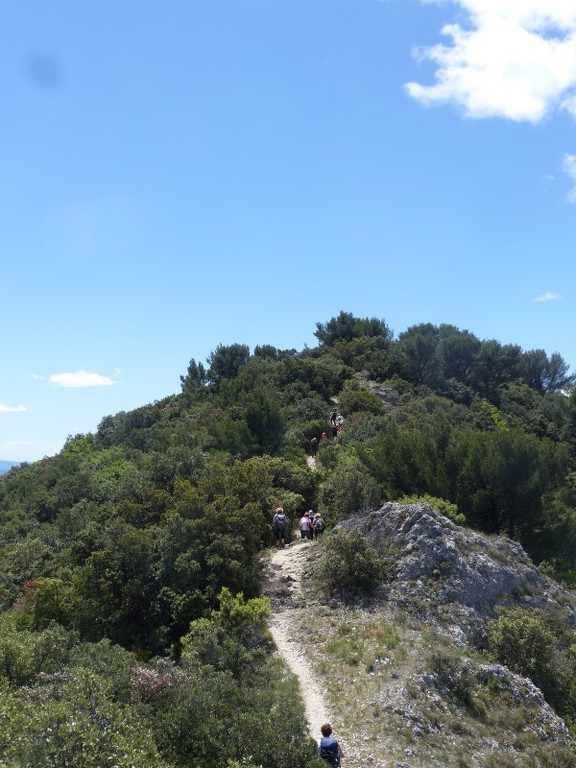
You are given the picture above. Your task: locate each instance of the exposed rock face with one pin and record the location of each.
(398, 677)
(453, 579)
(389, 396)
(452, 576)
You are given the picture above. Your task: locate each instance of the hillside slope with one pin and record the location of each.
(401, 674)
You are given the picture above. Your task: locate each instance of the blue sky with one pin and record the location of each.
(179, 174)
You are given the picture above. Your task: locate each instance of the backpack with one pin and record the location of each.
(328, 750)
(280, 521)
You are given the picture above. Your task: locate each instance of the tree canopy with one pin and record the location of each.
(132, 558)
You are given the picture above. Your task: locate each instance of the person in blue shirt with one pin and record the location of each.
(329, 749)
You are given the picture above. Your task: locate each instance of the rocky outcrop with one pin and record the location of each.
(389, 396)
(396, 672)
(452, 576)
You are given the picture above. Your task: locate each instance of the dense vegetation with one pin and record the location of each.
(130, 572)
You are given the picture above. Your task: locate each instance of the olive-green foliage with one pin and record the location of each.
(540, 415)
(349, 565)
(504, 475)
(414, 459)
(346, 327)
(68, 703)
(235, 637)
(25, 653)
(44, 602)
(322, 374)
(418, 353)
(454, 673)
(225, 362)
(200, 716)
(196, 376)
(537, 645)
(445, 508)
(347, 490)
(523, 641)
(355, 398)
(72, 719)
(363, 354)
(129, 535)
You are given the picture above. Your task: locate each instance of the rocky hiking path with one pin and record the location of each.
(283, 588)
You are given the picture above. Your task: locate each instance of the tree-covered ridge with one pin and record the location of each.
(134, 535)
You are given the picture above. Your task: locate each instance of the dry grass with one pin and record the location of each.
(373, 662)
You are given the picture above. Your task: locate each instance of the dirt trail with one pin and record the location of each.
(283, 587)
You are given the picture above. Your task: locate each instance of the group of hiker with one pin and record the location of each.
(336, 421)
(311, 526)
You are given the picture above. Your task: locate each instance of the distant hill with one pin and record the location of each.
(5, 466)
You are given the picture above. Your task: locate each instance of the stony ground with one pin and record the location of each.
(297, 616)
(285, 591)
(369, 670)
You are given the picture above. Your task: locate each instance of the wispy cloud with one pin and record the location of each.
(513, 58)
(548, 296)
(12, 445)
(80, 378)
(569, 167)
(12, 408)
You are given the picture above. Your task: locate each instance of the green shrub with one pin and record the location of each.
(72, 719)
(347, 490)
(442, 506)
(234, 638)
(349, 565)
(522, 640)
(202, 717)
(355, 398)
(452, 672)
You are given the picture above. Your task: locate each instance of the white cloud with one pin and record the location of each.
(10, 447)
(80, 378)
(12, 408)
(514, 59)
(548, 296)
(569, 167)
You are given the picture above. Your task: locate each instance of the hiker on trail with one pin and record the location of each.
(329, 749)
(333, 416)
(335, 431)
(304, 525)
(280, 528)
(313, 446)
(312, 518)
(319, 525)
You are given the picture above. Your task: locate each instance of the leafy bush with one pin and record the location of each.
(349, 565)
(355, 398)
(25, 654)
(201, 716)
(71, 719)
(442, 506)
(523, 641)
(235, 637)
(347, 490)
(453, 673)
